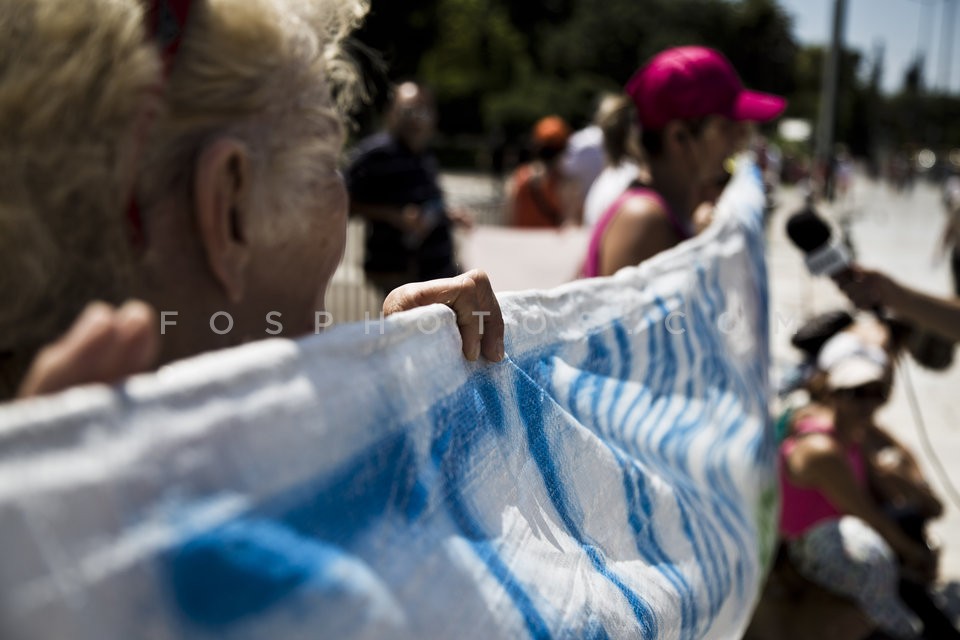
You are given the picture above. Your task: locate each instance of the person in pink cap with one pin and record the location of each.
(691, 106)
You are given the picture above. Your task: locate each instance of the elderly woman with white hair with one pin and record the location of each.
(224, 152)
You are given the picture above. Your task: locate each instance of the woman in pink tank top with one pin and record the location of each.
(691, 107)
(835, 532)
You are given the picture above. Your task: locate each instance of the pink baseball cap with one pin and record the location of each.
(687, 83)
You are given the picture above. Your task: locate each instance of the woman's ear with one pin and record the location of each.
(221, 198)
(677, 131)
(676, 137)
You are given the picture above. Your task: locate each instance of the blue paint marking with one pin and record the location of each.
(647, 544)
(720, 474)
(704, 563)
(602, 371)
(451, 453)
(653, 374)
(630, 424)
(641, 518)
(259, 560)
(531, 412)
(716, 578)
(595, 365)
(667, 379)
(244, 568)
(721, 562)
(626, 365)
(593, 631)
(382, 480)
(491, 404)
(672, 443)
(702, 552)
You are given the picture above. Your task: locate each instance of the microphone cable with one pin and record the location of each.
(925, 443)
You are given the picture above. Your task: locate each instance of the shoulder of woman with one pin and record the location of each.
(814, 453)
(816, 444)
(642, 203)
(643, 213)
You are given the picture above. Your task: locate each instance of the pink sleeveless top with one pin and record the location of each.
(591, 266)
(804, 507)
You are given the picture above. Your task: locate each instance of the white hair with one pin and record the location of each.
(272, 73)
(76, 77)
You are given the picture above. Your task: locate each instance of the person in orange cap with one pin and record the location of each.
(541, 195)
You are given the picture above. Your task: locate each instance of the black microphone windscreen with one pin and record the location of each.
(808, 231)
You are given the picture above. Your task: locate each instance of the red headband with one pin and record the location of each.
(166, 22)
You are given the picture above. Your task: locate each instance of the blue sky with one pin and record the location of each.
(894, 23)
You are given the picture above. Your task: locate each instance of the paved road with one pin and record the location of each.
(896, 233)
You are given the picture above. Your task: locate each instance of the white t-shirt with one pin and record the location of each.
(583, 160)
(608, 186)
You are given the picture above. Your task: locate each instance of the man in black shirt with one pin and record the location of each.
(393, 184)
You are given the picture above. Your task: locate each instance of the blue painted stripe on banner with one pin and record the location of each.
(625, 353)
(702, 545)
(242, 569)
(625, 350)
(672, 445)
(531, 403)
(718, 473)
(625, 433)
(652, 381)
(600, 365)
(702, 536)
(491, 403)
(641, 518)
(295, 522)
(647, 545)
(387, 471)
(664, 390)
(450, 458)
(741, 388)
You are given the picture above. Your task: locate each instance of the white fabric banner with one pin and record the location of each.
(614, 477)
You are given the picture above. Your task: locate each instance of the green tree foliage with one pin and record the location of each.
(478, 53)
(615, 37)
(761, 45)
(499, 65)
(401, 32)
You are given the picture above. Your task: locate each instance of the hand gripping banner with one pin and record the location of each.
(614, 477)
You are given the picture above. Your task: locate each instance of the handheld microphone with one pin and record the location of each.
(810, 234)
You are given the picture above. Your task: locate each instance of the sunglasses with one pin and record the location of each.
(873, 391)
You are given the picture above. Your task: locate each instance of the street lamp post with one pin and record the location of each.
(828, 93)
(946, 42)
